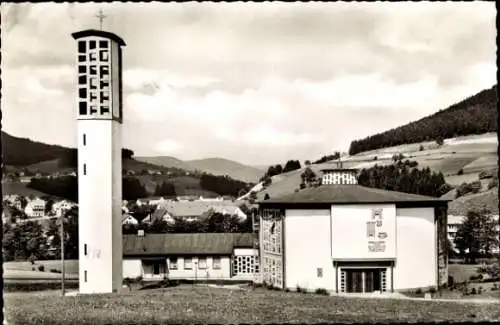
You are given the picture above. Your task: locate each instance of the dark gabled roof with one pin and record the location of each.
(186, 244)
(349, 194)
(100, 33)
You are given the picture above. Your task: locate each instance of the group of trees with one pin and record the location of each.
(308, 178)
(404, 176)
(477, 235)
(474, 115)
(222, 185)
(278, 169)
(26, 240)
(165, 189)
(67, 187)
(213, 223)
(64, 186)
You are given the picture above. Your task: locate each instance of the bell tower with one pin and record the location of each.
(99, 123)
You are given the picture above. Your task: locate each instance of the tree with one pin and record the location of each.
(493, 269)
(308, 176)
(132, 189)
(439, 141)
(307, 162)
(48, 206)
(266, 196)
(476, 235)
(165, 189)
(291, 165)
(267, 181)
(127, 153)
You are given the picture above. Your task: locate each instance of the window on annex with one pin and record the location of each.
(202, 263)
(103, 44)
(92, 45)
(82, 46)
(82, 108)
(188, 263)
(173, 265)
(216, 263)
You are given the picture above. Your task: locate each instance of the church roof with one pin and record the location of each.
(186, 244)
(99, 33)
(350, 194)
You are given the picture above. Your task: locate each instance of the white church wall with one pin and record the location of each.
(416, 240)
(351, 237)
(307, 249)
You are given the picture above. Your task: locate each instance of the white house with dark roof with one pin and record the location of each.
(35, 208)
(344, 237)
(198, 256)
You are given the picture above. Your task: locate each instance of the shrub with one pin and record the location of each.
(127, 281)
(421, 148)
(418, 291)
(299, 289)
(495, 287)
(460, 172)
(479, 290)
(41, 268)
(451, 281)
(375, 158)
(32, 259)
(302, 186)
(33, 268)
(473, 291)
(493, 183)
(55, 271)
(287, 290)
(432, 290)
(485, 175)
(475, 186)
(321, 291)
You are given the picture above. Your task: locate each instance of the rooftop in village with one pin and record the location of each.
(350, 194)
(186, 244)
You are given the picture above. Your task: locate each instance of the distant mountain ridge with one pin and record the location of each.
(215, 166)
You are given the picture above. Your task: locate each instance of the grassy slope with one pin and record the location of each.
(19, 188)
(488, 199)
(187, 304)
(455, 154)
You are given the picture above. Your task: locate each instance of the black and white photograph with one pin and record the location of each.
(249, 162)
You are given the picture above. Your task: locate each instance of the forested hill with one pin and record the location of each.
(23, 152)
(474, 115)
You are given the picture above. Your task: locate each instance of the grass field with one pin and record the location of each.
(187, 304)
(19, 188)
(71, 266)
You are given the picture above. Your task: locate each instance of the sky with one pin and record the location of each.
(258, 83)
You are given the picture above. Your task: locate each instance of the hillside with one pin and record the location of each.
(23, 152)
(487, 199)
(474, 115)
(215, 166)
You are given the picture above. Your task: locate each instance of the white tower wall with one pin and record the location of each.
(99, 161)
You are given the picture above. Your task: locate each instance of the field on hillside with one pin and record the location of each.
(200, 304)
(19, 188)
(472, 154)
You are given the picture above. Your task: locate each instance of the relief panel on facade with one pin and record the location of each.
(271, 248)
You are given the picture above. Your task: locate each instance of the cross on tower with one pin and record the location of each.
(101, 17)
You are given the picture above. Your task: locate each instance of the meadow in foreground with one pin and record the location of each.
(200, 304)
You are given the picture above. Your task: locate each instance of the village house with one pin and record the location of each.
(35, 208)
(344, 237)
(59, 207)
(192, 210)
(128, 219)
(200, 256)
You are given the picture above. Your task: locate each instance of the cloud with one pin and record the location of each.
(167, 146)
(254, 82)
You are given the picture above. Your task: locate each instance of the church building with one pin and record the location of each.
(346, 238)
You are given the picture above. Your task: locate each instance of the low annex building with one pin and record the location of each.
(344, 237)
(197, 256)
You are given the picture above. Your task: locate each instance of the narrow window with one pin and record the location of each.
(85, 247)
(103, 44)
(82, 68)
(83, 108)
(92, 45)
(84, 169)
(82, 93)
(82, 58)
(82, 80)
(81, 46)
(85, 275)
(85, 143)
